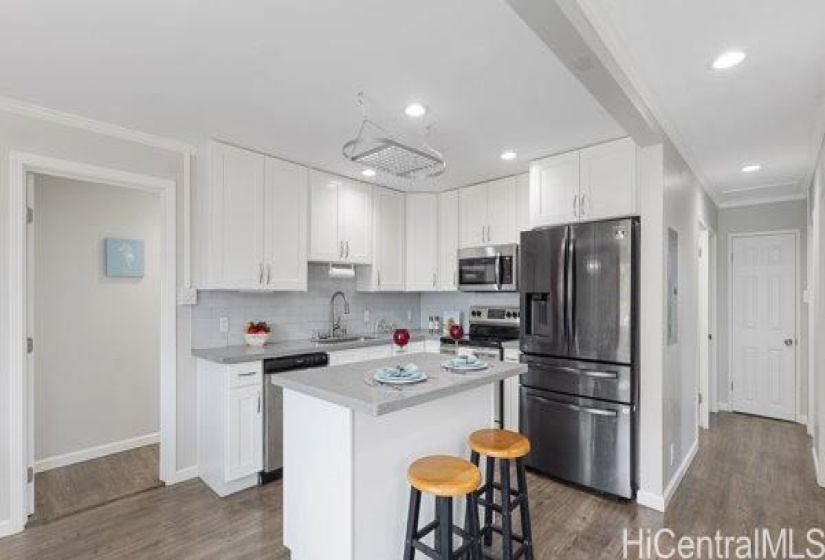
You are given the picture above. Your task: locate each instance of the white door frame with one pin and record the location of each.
(704, 324)
(713, 378)
(797, 311)
(20, 165)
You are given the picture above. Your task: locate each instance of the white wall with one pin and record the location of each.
(749, 219)
(19, 132)
(816, 267)
(97, 374)
(686, 206)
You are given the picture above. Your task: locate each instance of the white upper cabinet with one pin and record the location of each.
(554, 190)
(595, 183)
(488, 213)
(608, 180)
(422, 242)
(447, 241)
(340, 220)
(286, 201)
(387, 271)
(502, 211)
(523, 202)
(252, 242)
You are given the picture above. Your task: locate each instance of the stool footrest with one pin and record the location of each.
(497, 529)
(497, 508)
(516, 555)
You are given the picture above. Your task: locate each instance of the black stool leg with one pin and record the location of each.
(444, 534)
(506, 517)
(488, 496)
(475, 528)
(412, 523)
(474, 459)
(524, 509)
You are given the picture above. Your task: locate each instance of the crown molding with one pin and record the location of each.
(25, 109)
(761, 200)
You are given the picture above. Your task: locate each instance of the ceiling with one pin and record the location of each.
(770, 110)
(282, 77)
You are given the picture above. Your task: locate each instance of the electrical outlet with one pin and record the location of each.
(672, 454)
(223, 325)
(366, 315)
(409, 315)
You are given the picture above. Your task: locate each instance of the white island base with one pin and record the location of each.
(346, 493)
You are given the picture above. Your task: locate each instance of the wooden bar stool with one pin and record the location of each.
(504, 446)
(446, 478)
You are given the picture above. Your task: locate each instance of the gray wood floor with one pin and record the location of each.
(749, 472)
(75, 488)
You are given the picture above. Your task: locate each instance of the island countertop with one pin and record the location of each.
(352, 385)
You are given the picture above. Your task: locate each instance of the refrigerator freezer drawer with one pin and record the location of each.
(610, 382)
(580, 440)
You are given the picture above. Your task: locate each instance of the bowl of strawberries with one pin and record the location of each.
(256, 334)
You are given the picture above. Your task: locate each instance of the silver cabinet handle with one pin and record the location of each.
(247, 374)
(489, 234)
(483, 229)
(576, 205)
(577, 408)
(341, 250)
(260, 273)
(434, 279)
(269, 274)
(379, 278)
(582, 205)
(259, 402)
(347, 249)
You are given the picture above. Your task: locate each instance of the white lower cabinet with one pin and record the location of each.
(230, 425)
(341, 357)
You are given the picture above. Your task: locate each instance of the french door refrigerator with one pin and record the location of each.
(579, 338)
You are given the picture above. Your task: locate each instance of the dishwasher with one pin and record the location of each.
(274, 408)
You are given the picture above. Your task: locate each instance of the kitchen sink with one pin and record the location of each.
(343, 339)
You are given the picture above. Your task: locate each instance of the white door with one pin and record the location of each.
(763, 333)
(448, 241)
(502, 211)
(608, 180)
(703, 323)
(245, 438)
(29, 298)
(240, 175)
(324, 245)
(389, 246)
(472, 208)
(422, 242)
(285, 225)
(355, 221)
(554, 190)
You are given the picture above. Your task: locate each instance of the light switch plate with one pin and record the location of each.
(223, 325)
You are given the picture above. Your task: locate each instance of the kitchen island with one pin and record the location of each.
(348, 443)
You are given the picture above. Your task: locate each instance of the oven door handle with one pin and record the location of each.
(576, 407)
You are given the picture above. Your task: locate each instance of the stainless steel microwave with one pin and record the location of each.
(488, 269)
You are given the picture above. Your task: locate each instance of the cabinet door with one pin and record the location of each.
(608, 180)
(554, 190)
(389, 246)
(238, 177)
(244, 453)
(323, 218)
(523, 202)
(502, 211)
(355, 221)
(447, 241)
(472, 208)
(422, 242)
(285, 225)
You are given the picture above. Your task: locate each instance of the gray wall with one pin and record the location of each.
(817, 311)
(751, 219)
(437, 303)
(97, 375)
(296, 315)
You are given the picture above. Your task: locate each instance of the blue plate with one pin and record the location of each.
(465, 364)
(400, 375)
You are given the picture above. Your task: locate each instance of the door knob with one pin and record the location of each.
(788, 342)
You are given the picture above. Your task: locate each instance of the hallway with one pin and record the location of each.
(749, 473)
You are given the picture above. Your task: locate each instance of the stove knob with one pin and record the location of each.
(509, 314)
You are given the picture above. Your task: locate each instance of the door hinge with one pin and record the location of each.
(731, 386)
(29, 345)
(700, 398)
(30, 475)
(29, 215)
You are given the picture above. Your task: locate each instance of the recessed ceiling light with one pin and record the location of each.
(415, 110)
(508, 155)
(751, 168)
(728, 59)
(368, 173)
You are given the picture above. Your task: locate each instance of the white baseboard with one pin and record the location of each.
(7, 528)
(820, 476)
(723, 406)
(57, 461)
(680, 473)
(183, 475)
(650, 500)
(802, 419)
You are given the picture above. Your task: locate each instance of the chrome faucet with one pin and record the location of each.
(335, 324)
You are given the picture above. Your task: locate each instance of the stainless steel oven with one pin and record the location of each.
(488, 269)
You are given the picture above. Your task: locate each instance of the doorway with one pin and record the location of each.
(763, 323)
(706, 324)
(93, 314)
(20, 490)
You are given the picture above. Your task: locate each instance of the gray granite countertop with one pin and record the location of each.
(352, 386)
(240, 354)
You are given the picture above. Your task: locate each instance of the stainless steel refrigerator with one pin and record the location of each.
(579, 338)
